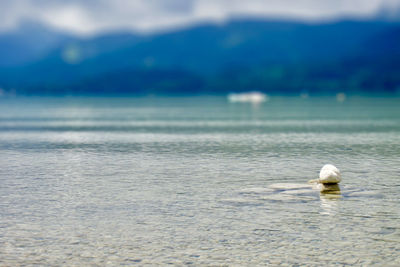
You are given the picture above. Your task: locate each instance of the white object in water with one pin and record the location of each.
(329, 174)
(251, 97)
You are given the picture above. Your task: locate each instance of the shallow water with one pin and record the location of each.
(91, 181)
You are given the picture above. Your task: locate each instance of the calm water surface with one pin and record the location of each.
(95, 181)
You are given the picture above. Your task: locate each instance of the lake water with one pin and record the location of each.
(125, 181)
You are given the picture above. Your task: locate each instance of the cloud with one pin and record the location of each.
(92, 16)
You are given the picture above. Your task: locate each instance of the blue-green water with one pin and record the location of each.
(95, 181)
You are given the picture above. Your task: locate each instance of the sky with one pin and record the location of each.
(88, 17)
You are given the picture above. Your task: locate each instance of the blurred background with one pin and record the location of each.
(192, 47)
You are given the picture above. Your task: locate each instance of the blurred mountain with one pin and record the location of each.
(273, 56)
(30, 41)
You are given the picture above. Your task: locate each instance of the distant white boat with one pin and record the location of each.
(249, 97)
